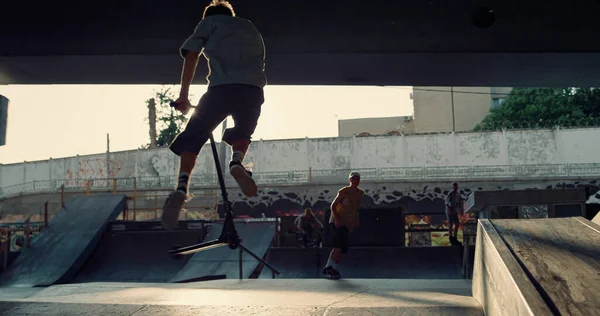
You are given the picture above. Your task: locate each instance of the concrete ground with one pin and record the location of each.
(247, 297)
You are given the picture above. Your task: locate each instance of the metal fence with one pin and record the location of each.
(330, 176)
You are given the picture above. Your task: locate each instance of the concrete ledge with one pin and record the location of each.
(596, 219)
(191, 310)
(499, 283)
(248, 297)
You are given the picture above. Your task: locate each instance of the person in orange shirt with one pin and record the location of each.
(344, 219)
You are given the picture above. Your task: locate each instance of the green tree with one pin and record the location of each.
(545, 107)
(168, 121)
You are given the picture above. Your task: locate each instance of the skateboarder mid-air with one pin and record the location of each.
(344, 219)
(454, 209)
(235, 53)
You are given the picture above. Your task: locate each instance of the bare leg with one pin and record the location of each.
(456, 231)
(331, 268)
(187, 162)
(238, 172)
(174, 203)
(336, 255)
(186, 166)
(241, 146)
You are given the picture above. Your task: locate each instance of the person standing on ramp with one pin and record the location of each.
(454, 209)
(235, 53)
(343, 220)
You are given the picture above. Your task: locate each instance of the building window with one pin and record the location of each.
(496, 102)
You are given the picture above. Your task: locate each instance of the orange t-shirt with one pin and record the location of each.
(349, 207)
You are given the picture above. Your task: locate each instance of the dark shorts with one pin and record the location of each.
(243, 102)
(339, 237)
(452, 218)
(308, 229)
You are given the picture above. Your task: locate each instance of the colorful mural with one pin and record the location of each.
(16, 231)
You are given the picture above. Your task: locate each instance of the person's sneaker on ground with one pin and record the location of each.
(172, 208)
(243, 178)
(451, 240)
(331, 273)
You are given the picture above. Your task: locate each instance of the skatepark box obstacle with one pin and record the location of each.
(3, 119)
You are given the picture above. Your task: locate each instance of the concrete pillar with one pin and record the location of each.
(50, 169)
(454, 161)
(3, 119)
(403, 161)
(308, 157)
(504, 148)
(558, 139)
(137, 160)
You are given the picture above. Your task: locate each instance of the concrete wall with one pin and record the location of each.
(376, 126)
(433, 107)
(461, 149)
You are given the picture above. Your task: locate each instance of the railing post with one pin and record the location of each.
(88, 187)
(46, 214)
(240, 260)
(5, 245)
(309, 174)
(27, 233)
(62, 196)
(114, 190)
(134, 196)
(155, 205)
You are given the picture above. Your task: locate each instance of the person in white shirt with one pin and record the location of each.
(306, 224)
(235, 52)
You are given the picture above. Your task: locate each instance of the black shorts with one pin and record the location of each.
(452, 218)
(339, 237)
(243, 102)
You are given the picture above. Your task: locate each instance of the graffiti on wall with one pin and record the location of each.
(159, 167)
(95, 169)
(16, 231)
(289, 201)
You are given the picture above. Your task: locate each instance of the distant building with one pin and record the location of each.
(433, 107)
(376, 126)
(436, 110)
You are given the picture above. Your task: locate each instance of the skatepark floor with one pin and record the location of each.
(247, 297)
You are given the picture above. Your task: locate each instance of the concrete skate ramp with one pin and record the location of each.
(562, 258)
(369, 263)
(63, 247)
(136, 257)
(256, 236)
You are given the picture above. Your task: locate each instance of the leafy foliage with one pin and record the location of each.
(545, 107)
(169, 122)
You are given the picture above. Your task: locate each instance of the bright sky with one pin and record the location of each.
(65, 120)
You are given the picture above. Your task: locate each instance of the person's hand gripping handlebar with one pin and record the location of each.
(182, 105)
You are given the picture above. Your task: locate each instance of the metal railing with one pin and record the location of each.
(446, 173)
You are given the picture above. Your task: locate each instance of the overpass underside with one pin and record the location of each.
(376, 42)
